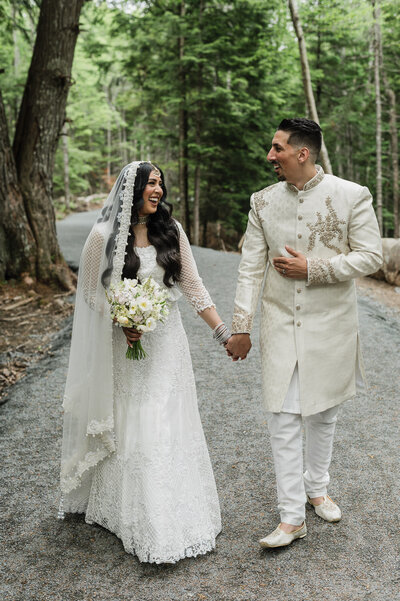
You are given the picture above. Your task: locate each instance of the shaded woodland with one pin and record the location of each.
(197, 86)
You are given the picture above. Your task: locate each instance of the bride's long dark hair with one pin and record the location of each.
(162, 233)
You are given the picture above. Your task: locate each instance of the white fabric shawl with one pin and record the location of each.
(88, 435)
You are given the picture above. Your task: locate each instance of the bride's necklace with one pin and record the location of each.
(143, 220)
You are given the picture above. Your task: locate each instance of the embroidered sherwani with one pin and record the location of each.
(310, 322)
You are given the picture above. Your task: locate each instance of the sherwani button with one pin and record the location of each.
(300, 217)
(298, 324)
(298, 307)
(299, 290)
(299, 235)
(301, 199)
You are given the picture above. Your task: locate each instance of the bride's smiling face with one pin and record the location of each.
(152, 194)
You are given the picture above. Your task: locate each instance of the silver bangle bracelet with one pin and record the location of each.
(221, 333)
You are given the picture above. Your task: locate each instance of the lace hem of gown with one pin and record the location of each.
(145, 554)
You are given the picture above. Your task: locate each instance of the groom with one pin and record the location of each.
(312, 234)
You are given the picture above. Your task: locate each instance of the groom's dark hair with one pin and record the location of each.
(303, 132)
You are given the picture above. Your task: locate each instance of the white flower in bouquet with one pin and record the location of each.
(145, 304)
(138, 305)
(150, 324)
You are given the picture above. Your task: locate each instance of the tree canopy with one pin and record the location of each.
(199, 87)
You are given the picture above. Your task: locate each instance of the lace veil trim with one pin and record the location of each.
(88, 435)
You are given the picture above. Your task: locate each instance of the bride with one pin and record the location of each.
(134, 456)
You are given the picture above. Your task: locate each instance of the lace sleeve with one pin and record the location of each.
(191, 283)
(90, 267)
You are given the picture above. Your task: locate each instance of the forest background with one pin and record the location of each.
(199, 87)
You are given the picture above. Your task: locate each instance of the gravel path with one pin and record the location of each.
(357, 559)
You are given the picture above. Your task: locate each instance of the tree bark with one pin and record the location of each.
(124, 146)
(378, 108)
(107, 93)
(394, 150)
(39, 126)
(305, 69)
(196, 207)
(66, 164)
(17, 57)
(349, 146)
(183, 134)
(394, 143)
(17, 244)
(198, 128)
(338, 151)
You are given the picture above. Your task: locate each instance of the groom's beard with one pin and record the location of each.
(281, 177)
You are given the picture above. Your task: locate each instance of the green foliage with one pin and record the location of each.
(339, 39)
(232, 65)
(242, 76)
(17, 35)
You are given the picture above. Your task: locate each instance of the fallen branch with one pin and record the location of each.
(21, 303)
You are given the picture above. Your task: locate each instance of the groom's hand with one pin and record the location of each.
(238, 346)
(295, 268)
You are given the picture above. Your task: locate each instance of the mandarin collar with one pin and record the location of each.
(314, 181)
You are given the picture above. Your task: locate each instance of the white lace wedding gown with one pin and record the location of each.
(157, 491)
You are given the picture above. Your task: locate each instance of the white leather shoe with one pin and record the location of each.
(279, 538)
(327, 510)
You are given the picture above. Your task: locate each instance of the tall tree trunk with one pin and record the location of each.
(394, 151)
(378, 107)
(196, 207)
(108, 152)
(107, 93)
(183, 133)
(124, 146)
(66, 164)
(338, 151)
(17, 244)
(394, 143)
(349, 149)
(305, 69)
(318, 65)
(205, 224)
(39, 127)
(198, 128)
(17, 58)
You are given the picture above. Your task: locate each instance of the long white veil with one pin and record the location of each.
(88, 434)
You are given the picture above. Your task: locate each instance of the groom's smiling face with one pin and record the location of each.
(283, 157)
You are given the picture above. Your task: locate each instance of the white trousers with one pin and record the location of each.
(287, 448)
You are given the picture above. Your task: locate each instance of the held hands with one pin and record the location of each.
(238, 346)
(295, 268)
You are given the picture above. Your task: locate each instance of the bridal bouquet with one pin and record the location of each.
(139, 306)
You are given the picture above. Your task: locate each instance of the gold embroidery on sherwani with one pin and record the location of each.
(241, 321)
(320, 271)
(327, 229)
(315, 180)
(311, 183)
(260, 201)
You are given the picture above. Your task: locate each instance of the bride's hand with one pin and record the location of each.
(132, 335)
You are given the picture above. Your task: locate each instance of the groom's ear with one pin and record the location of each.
(303, 154)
